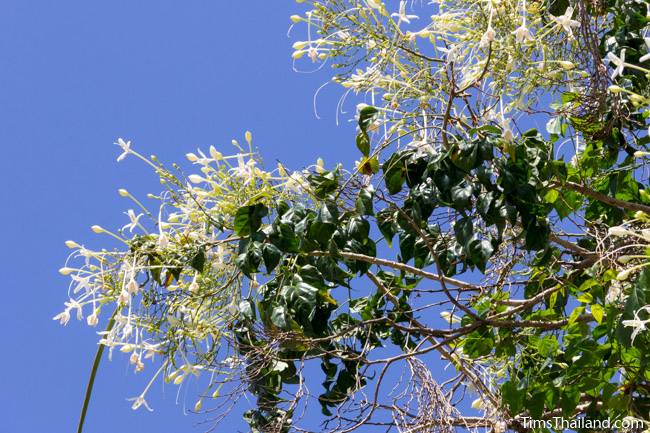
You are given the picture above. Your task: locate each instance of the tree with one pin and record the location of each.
(517, 256)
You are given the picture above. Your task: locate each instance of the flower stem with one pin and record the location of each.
(91, 379)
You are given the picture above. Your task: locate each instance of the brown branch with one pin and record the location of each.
(402, 267)
(622, 204)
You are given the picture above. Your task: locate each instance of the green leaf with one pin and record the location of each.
(247, 310)
(575, 314)
(198, 261)
(598, 312)
(271, 256)
(512, 396)
(464, 230)
(551, 195)
(248, 219)
(363, 202)
(366, 116)
(279, 317)
(394, 173)
(461, 196)
(387, 226)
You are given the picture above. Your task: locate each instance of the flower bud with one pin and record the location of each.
(195, 178)
(179, 379)
(198, 406)
(295, 18)
(642, 216)
(615, 89)
(624, 275)
(123, 192)
(566, 65)
(299, 45)
(97, 229)
(191, 157)
(320, 165)
(641, 154)
(66, 271)
(216, 155)
(249, 137)
(72, 244)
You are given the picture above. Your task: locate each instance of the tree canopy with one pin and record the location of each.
(519, 257)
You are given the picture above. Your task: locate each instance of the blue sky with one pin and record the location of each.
(171, 76)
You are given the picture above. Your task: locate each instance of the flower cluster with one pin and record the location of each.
(171, 287)
(495, 52)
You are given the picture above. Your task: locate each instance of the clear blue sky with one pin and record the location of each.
(169, 75)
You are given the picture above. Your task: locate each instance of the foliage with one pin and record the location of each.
(519, 257)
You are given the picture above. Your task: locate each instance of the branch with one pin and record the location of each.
(622, 204)
(402, 267)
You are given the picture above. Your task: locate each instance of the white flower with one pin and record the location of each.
(506, 133)
(132, 286)
(402, 16)
(126, 148)
(135, 220)
(615, 293)
(637, 324)
(312, 52)
(63, 317)
(163, 241)
(83, 283)
(488, 37)
(522, 34)
(139, 401)
(499, 427)
(566, 22)
(92, 320)
(124, 297)
(646, 57)
(244, 169)
(619, 61)
(295, 182)
(73, 304)
(127, 331)
(451, 53)
(194, 285)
